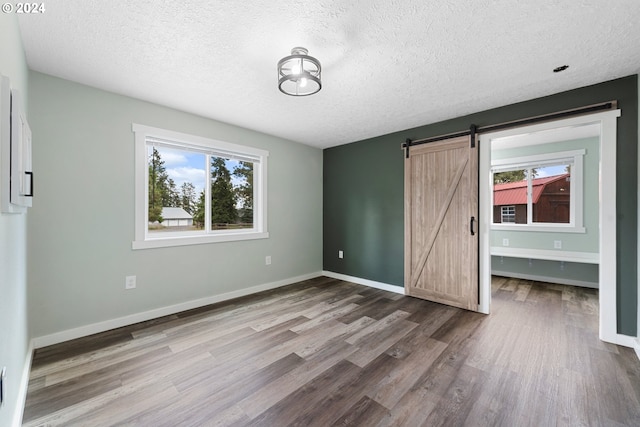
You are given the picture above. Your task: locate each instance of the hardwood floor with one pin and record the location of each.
(327, 352)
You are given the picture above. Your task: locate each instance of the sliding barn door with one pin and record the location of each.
(441, 238)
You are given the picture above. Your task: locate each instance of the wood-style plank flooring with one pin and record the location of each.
(326, 352)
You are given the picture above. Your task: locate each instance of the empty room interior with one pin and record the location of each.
(407, 213)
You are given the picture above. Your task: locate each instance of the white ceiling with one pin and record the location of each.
(387, 65)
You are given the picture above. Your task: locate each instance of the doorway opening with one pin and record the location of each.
(564, 232)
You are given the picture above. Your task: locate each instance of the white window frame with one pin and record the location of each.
(576, 215)
(144, 240)
(503, 214)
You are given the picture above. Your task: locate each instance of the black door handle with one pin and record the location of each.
(473, 219)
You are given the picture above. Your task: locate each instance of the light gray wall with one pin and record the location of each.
(82, 221)
(14, 336)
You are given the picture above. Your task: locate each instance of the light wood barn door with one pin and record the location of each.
(441, 227)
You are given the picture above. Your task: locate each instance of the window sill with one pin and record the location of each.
(539, 228)
(167, 242)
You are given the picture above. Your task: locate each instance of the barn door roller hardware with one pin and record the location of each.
(475, 130)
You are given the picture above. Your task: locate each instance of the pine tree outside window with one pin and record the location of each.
(193, 190)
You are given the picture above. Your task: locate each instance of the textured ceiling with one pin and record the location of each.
(387, 65)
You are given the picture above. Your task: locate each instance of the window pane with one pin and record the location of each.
(508, 214)
(552, 194)
(510, 196)
(243, 185)
(231, 194)
(176, 190)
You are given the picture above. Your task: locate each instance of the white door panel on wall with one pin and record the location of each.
(16, 177)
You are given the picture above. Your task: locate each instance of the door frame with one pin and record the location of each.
(607, 276)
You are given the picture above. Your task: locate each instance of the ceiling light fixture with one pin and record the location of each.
(299, 73)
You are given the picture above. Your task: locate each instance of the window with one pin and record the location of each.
(508, 214)
(192, 190)
(539, 193)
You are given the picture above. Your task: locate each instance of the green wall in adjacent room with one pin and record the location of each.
(363, 191)
(567, 273)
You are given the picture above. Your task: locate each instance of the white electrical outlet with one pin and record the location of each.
(557, 244)
(267, 260)
(505, 242)
(340, 254)
(130, 282)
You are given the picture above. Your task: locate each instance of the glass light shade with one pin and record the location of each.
(299, 73)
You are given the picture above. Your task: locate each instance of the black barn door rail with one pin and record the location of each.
(474, 130)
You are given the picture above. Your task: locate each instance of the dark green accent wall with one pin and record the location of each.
(364, 191)
(363, 210)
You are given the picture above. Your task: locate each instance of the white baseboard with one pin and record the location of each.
(636, 347)
(365, 282)
(627, 341)
(107, 325)
(24, 385)
(548, 279)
